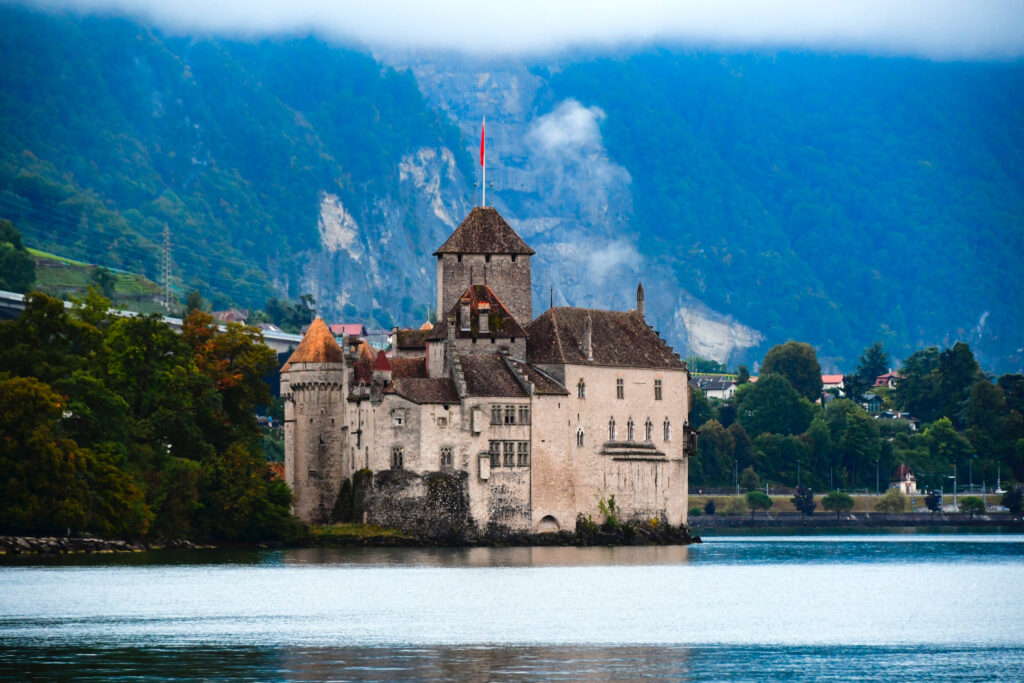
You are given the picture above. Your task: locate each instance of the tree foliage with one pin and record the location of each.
(892, 500)
(798, 363)
(122, 426)
(17, 267)
(758, 500)
(772, 405)
(803, 500)
(838, 502)
(971, 505)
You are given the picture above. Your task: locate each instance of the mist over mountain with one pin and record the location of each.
(760, 197)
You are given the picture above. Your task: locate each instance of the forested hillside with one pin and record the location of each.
(834, 199)
(838, 199)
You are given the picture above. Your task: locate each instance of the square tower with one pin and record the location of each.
(485, 250)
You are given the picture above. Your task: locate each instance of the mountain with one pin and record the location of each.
(759, 197)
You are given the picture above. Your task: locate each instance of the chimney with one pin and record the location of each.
(640, 300)
(588, 337)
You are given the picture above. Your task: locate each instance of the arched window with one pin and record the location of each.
(667, 426)
(446, 457)
(648, 430)
(611, 429)
(630, 430)
(579, 437)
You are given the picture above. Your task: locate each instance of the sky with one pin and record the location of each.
(933, 29)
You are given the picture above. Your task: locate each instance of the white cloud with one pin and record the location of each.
(931, 28)
(571, 129)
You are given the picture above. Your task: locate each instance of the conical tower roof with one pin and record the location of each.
(318, 346)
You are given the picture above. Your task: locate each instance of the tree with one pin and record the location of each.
(872, 363)
(860, 444)
(743, 447)
(933, 501)
(700, 408)
(854, 387)
(892, 500)
(772, 405)
(715, 453)
(971, 505)
(917, 391)
(193, 302)
(837, 501)
(1013, 500)
(758, 500)
(779, 456)
(798, 363)
(749, 479)
(709, 507)
(103, 280)
(17, 267)
(958, 370)
(742, 375)
(735, 505)
(803, 501)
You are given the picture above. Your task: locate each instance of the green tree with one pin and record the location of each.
(1013, 391)
(758, 500)
(103, 280)
(860, 444)
(742, 375)
(958, 371)
(892, 500)
(874, 361)
(709, 507)
(46, 342)
(917, 392)
(194, 302)
(798, 363)
(933, 501)
(971, 505)
(749, 479)
(715, 452)
(778, 456)
(735, 505)
(803, 501)
(1013, 500)
(772, 405)
(700, 408)
(743, 447)
(17, 267)
(838, 502)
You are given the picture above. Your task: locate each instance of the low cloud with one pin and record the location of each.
(943, 29)
(570, 130)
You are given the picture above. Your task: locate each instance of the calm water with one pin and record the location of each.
(753, 608)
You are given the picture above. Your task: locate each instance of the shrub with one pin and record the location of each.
(696, 511)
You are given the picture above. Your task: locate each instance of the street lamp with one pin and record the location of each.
(955, 508)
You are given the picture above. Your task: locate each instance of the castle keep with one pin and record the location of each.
(491, 418)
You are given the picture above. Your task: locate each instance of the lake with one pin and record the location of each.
(874, 607)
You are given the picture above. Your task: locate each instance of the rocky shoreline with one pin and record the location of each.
(61, 545)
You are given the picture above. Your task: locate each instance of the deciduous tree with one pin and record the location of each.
(798, 363)
(838, 502)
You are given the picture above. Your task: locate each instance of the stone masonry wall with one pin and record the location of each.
(509, 279)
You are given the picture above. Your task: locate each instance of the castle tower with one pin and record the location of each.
(485, 250)
(314, 386)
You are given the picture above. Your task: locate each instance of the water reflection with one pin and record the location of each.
(487, 557)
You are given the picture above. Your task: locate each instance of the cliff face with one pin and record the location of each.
(550, 174)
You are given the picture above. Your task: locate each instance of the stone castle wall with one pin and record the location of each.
(510, 280)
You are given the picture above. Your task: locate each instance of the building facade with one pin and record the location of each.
(537, 421)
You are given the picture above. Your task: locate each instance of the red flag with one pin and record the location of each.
(482, 139)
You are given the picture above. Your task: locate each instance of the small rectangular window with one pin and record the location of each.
(398, 418)
(442, 422)
(657, 390)
(524, 415)
(510, 415)
(397, 457)
(495, 415)
(620, 388)
(523, 454)
(509, 453)
(494, 449)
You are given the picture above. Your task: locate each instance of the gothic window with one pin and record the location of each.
(579, 437)
(523, 454)
(509, 453)
(524, 415)
(657, 390)
(611, 429)
(667, 426)
(648, 430)
(581, 389)
(510, 415)
(620, 388)
(495, 414)
(446, 457)
(494, 449)
(397, 457)
(629, 430)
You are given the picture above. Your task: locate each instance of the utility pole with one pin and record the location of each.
(166, 270)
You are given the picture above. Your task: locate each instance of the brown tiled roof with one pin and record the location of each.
(619, 339)
(409, 367)
(317, 346)
(484, 232)
(501, 324)
(424, 390)
(543, 383)
(487, 374)
(411, 339)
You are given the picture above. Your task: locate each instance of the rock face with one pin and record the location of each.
(547, 165)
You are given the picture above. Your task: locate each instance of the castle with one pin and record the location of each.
(535, 420)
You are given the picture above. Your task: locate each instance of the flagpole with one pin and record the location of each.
(483, 156)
